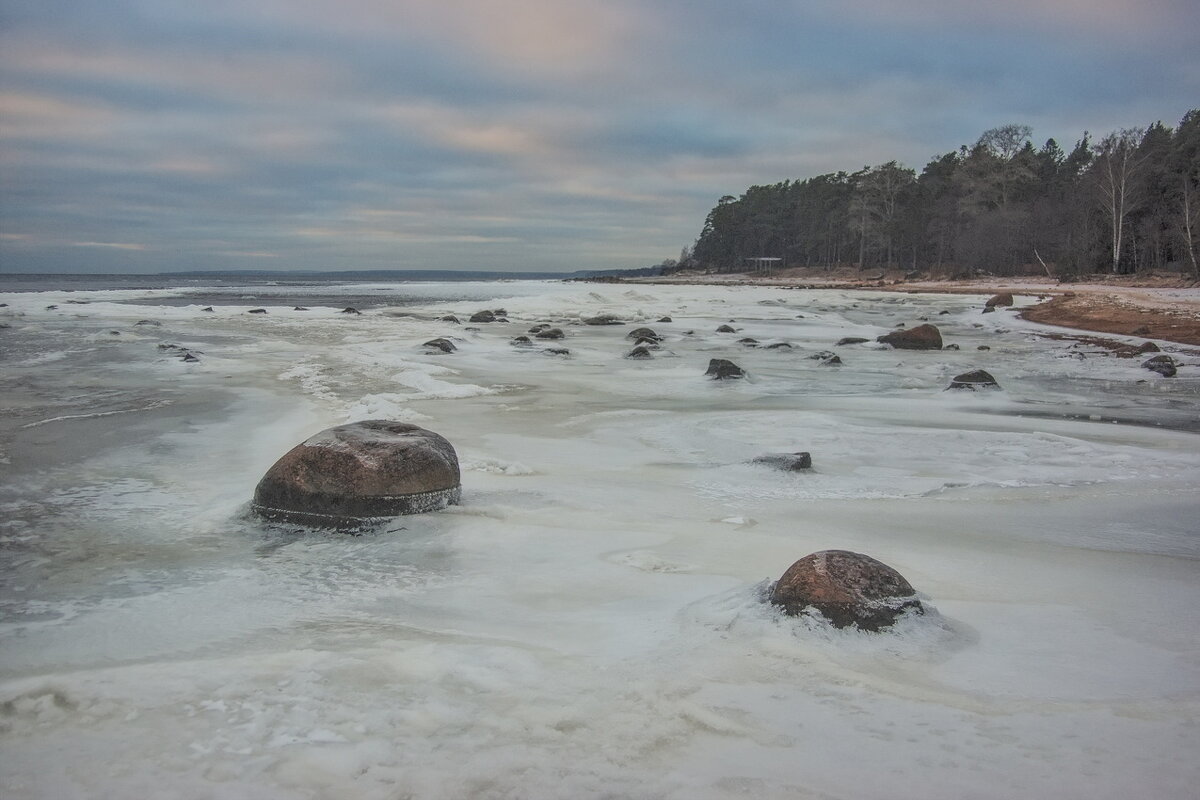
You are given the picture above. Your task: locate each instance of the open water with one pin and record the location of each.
(589, 622)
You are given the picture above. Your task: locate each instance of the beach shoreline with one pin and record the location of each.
(1156, 306)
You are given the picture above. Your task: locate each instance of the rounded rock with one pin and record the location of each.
(922, 337)
(353, 474)
(846, 588)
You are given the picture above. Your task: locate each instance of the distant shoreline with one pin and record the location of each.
(1163, 307)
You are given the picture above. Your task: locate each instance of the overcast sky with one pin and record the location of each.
(159, 135)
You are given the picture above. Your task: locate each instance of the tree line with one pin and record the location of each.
(1127, 202)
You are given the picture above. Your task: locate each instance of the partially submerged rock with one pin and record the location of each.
(550, 333)
(847, 588)
(349, 310)
(850, 340)
(442, 344)
(642, 333)
(639, 352)
(1164, 365)
(450, 318)
(922, 337)
(482, 316)
(726, 329)
(251, 311)
(976, 379)
(604, 319)
(665, 319)
(352, 474)
(790, 462)
(724, 369)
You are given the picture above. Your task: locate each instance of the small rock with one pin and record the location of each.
(189, 358)
(976, 379)
(300, 308)
(153, 323)
(257, 311)
(664, 319)
(520, 341)
(724, 369)
(1147, 347)
(557, 351)
(922, 337)
(208, 309)
(779, 346)
(642, 333)
(539, 328)
(748, 342)
(639, 352)
(989, 309)
(450, 318)
(442, 344)
(791, 462)
(832, 361)
(983, 347)
(483, 316)
(51, 308)
(951, 347)
(1164, 365)
(943, 313)
(550, 333)
(850, 340)
(726, 329)
(652, 344)
(500, 312)
(846, 588)
(350, 310)
(823, 355)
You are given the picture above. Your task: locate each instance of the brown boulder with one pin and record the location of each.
(922, 337)
(1002, 299)
(349, 475)
(847, 588)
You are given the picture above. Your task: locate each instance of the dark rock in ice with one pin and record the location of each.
(832, 361)
(922, 337)
(352, 474)
(899, 325)
(152, 323)
(943, 313)
(550, 333)
(724, 369)
(51, 308)
(975, 379)
(989, 309)
(823, 355)
(847, 589)
(604, 319)
(1164, 365)
(851, 340)
(257, 311)
(521, 341)
(1146, 347)
(300, 308)
(951, 347)
(538, 328)
(639, 352)
(748, 342)
(1002, 299)
(483, 316)
(500, 312)
(726, 329)
(209, 309)
(114, 333)
(643, 333)
(556, 351)
(1141, 330)
(349, 310)
(665, 319)
(442, 344)
(450, 318)
(779, 346)
(190, 358)
(983, 347)
(790, 462)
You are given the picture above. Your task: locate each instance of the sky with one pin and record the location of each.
(163, 135)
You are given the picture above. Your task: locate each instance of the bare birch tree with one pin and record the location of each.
(1116, 168)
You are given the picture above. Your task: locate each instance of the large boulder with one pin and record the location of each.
(975, 379)
(847, 588)
(922, 337)
(723, 369)
(352, 474)
(1002, 299)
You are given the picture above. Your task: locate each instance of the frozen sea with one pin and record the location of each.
(589, 622)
